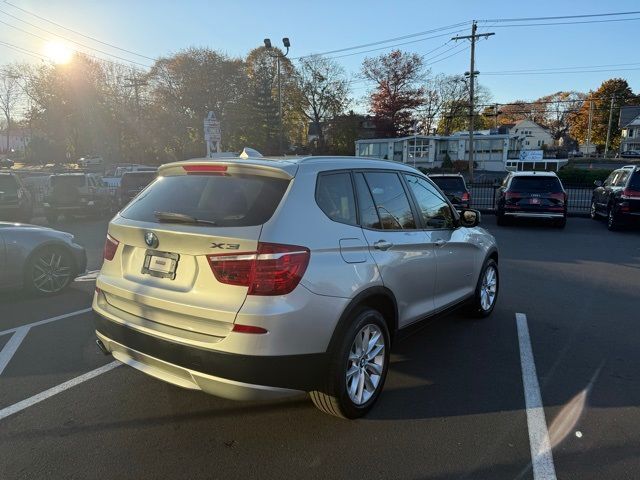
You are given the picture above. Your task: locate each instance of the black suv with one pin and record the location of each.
(131, 184)
(455, 188)
(15, 199)
(618, 197)
(532, 195)
(75, 194)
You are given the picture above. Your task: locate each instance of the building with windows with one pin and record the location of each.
(530, 136)
(491, 151)
(629, 124)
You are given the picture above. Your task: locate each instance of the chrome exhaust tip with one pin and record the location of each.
(102, 347)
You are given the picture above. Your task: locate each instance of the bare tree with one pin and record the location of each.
(324, 89)
(10, 96)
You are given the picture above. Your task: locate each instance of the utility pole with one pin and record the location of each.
(589, 127)
(472, 75)
(136, 83)
(606, 145)
(279, 56)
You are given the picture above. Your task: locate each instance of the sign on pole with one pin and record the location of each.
(212, 134)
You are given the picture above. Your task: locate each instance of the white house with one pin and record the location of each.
(530, 136)
(630, 128)
(18, 140)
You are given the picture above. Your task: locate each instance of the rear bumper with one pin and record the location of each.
(228, 375)
(540, 214)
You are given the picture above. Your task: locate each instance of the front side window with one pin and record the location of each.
(622, 179)
(334, 194)
(611, 179)
(390, 200)
(434, 210)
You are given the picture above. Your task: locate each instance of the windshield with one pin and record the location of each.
(449, 184)
(536, 184)
(229, 201)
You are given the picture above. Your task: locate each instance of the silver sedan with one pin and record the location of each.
(39, 259)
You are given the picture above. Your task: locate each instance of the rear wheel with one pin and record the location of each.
(486, 295)
(560, 223)
(593, 211)
(612, 221)
(358, 367)
(49, 271)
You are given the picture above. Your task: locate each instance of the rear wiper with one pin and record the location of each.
(181, 218)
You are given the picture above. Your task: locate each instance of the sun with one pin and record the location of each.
(58, 52)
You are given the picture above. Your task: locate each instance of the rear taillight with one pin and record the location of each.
(110, 247)
(248, 329)
(628, 194)
(274, 269)
(204, 168)
(512, 196)
(561, 197)
(465, 197)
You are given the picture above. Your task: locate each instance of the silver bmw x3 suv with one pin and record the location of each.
(257, 278)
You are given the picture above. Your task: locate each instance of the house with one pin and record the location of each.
(629, 124)
(363, 127)
(19, 138)
(530, 135)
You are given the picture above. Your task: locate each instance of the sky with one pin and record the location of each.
(161, 27)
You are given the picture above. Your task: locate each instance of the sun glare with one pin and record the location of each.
(58, 52)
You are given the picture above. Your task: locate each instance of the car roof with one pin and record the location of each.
(440, 175)
(533, 174)
(291, 164)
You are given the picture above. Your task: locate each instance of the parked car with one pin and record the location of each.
(532, 195)
(454, 187)
(6, 163)
(38, 259)
(131, 184)
(630, 154)
(618, 197)
(74, 195)
(15, 200)
(233, 278)
(91, 162)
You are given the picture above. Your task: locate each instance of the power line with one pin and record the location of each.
(23, 50)
(388, 40)
(65, 38)
(566, 23)
(75, 31)
(562, 17)
(564, 71)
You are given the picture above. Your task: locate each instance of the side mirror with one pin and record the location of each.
(469, 218)
(598, 183)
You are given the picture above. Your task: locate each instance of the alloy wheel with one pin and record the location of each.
(488, 288)
(365, 364)
(51, 272)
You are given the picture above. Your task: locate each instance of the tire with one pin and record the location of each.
(57, 267)
(478, 307)
(52, 217)
(560, 223)
(337, 398)
(593, 212)
(612, 222)
(502, 220)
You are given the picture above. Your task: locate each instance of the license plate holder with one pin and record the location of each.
(160, 264)
(534, 201)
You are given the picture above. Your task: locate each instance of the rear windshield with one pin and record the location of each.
(634, 183)
(229, 201)
(8, 184)
(68, 181)
(449, 184)
(535, 184)
(137, 180)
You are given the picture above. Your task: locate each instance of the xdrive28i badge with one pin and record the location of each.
(151, 239)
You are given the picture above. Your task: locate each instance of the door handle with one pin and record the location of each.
(439, 242)
(382, 245)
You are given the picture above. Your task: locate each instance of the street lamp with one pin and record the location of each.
(278, 55)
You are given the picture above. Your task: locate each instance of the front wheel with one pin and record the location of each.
(612, 221)
(486, 294)
(358, 367)
(593, 211)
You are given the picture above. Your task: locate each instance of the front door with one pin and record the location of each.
(405, 259)
(454, 246)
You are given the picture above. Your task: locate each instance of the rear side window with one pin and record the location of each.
(449, 184)
(334, 194)
(634, 183)
(536, 184)
(227, 200)
(368, 216)
(8, 184)
(390, 200)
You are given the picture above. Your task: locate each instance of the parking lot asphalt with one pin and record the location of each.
(454, 405)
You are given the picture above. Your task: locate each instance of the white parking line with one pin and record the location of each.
(541, 456)
(12, 346)
(45, 321)
(17, 407)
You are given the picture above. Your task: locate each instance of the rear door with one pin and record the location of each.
(403, 253)
(454, 247)
(163, 266)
